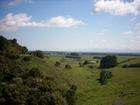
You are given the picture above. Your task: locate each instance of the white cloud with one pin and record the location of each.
(103, 32)
(12, 22)
(135, 31)
(60, 21)
(15, 2)
(118, 7)
(128, 33)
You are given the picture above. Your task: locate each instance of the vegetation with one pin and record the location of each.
(38, 53)
(104, 76)
(108, 61)
(11, 46)
(23, 86)
(131, 65)
(38, 83)
(68, 66)
(73, 55)
(26, 58)
(57, 64)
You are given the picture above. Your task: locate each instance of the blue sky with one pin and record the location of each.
(72, 25)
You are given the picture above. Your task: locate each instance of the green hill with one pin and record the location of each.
(38, 81)
(11, 46)
(122, 88)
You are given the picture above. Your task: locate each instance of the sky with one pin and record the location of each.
(72, 25)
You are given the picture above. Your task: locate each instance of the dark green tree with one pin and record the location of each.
(104, 76)
(108, 61)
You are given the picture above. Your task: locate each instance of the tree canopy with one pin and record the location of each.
(108, 61)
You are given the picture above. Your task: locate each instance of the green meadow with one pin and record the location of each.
(122, 89)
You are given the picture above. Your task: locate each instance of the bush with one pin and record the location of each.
(85, 62)
(34, 72)
(38, 53)
(12, 56)
(104, 76)
(26, 58)
(20, 86)
(57, 64)
(108, 62)
(68, 66)
(91, 66)
(71, 95)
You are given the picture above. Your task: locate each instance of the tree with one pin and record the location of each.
(104, 76)
(108, 61)
(38, 53)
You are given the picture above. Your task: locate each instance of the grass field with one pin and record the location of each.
(122, 89)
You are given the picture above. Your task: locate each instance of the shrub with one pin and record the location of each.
(85, 62)
(34, 72)
(68, 66)
(12, 56)
(104, 76)
(38, 53)
(91, 66)
(57, 64)
(26, 58)
(71, 95)
(20, 86)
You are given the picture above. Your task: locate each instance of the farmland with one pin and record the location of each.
(122, 88)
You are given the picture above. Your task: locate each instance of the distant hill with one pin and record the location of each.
(11, 46)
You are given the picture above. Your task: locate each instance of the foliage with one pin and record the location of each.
(29, 87)
(68, 66)
(11, 46)
(57, 64)
(91, 66)
(108, 61)
(85, 62)
(137, 65)
(26, 58)
(38, 53)
(73, 55)
(13, 56)
(104, 76)
(20, 85)
(71, 95)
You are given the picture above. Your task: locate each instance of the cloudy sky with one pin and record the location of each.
(72, 25)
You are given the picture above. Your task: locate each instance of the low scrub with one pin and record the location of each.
(26, 58)
(68, 66)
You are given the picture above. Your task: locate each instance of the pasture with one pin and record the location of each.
(122, 89)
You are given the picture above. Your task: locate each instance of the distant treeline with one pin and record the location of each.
(136, 65)
(92, 53)
(73, 55)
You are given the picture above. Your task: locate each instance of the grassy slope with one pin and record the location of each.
(122, 88)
